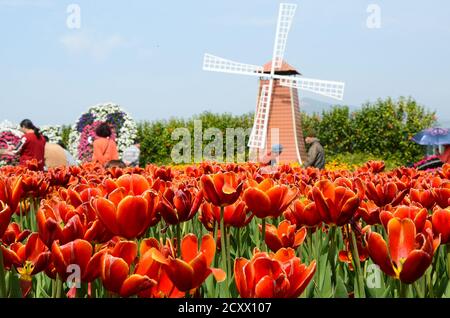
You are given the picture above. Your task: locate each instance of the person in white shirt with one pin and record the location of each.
(131, 155)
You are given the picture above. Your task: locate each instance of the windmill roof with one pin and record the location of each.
(284, 69)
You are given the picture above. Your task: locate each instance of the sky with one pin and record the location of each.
(147, 55)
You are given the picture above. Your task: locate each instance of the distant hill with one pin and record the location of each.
(311, 106)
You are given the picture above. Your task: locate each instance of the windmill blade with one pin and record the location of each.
(326, 88)
(285, 17)
(259, 130)
(217, 64)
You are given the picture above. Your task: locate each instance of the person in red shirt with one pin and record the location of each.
(32, 145)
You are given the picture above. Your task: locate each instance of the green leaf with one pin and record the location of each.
(341, 290)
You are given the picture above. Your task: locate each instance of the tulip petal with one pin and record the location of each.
(402, 238)
(415, 266)
(378, 251)
(135, 284)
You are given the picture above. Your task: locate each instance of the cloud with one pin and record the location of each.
(95, 46)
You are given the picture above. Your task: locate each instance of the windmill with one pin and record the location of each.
(277, 113)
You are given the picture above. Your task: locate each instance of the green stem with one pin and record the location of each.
(2, 277)
(229, 269)
(448, 260)
(332, 255)
(178, 239)
(403, 288)
(263, 236)
(59, 288)
(357, 265)
(224, 250)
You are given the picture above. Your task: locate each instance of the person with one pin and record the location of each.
(271, 158)
(445, 157)
(105, 149)
(115, 163)
(54, 155)
(131, 155)
(69, 158)
(316, 153)
(31, 146)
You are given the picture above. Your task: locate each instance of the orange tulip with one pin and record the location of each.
(268, 199)
(407, 255)
(127, 215)
(221, 189)
(189, 272)
(285, 236)
(336, 204)
(268, 275)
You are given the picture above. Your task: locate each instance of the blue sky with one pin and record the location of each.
(147, 55)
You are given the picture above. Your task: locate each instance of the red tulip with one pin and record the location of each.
(11, 192)
(235, 215)
(384, 194)
(303, 213)
(126, 216)
(189, 272)
(77, 252)
(58, 221)
(5, 217)
(147, 266)
(180, 205)
(268, 275)
(442, 195)
(336, 205)
(267, 199)
(221, 189)
(29, 259)
(284, 236)
(115, 277)
(441, 224)
(13, 234)
(418, 215)
(369, 212)
(424, 197)
(407, 254)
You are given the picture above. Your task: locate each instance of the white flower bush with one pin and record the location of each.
(54, 133)
(81, 136)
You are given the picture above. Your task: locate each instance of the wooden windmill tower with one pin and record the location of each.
(277, 117)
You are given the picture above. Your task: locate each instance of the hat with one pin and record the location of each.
(277, 148)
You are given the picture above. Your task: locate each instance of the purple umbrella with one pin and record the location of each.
(433, 136)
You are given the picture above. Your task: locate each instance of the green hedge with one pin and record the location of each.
(377, 130)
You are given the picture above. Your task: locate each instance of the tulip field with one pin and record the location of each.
(224, 230)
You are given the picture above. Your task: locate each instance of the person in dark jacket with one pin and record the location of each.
(316, 153)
